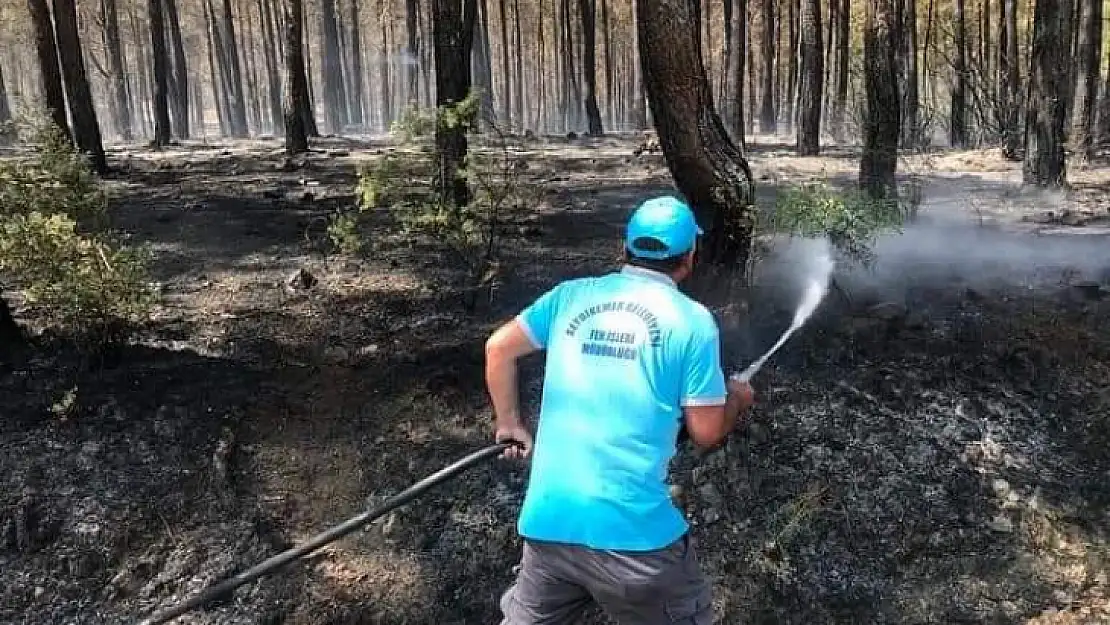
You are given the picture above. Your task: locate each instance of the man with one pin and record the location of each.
(630, 360)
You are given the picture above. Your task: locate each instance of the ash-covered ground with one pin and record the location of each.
(930, 448)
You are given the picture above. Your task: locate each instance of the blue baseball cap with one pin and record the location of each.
(667, 219)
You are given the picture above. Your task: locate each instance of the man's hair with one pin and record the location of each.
(651, 244)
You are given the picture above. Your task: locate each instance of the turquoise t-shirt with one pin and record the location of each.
(625, 352)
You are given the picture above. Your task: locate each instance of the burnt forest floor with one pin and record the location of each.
(933, 447)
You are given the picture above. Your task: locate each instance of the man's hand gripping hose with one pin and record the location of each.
(336, 532)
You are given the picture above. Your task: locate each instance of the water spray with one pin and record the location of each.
(817, 286)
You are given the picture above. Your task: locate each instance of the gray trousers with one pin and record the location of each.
(557, 583)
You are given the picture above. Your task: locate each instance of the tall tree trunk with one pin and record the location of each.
(708, 168)
(911, 136)
(1046, 112)
(230, 57)
(296, 80)
(506, 75)
(881, 123)
(610, 85)
(117, 68)
(812, 79)
(223, 111)
(768, 118)
(49, 66)
(273, 77)
(1090, 53)
(180, 75)
(739, 53)
(357, 115)
(638, 89)
(335, 96)
(86, 128)
(957, 131)
(482, 64)
(161, 80)
(790, 94)
(452, 34)
(249, 64)
(518, 54)
(412, 49)
(386, 79)
(843, 43)
(143, 97)
(587, 10)
(1014, 136)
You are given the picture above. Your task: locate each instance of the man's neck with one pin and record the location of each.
(651, 274)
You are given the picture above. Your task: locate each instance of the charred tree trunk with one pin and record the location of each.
(452, 34)
(789, 95)
(506, 75)
(1090, 53)
(161, 81)
(957, 131)
(412, 50)
(843, 43)
(273, 77)
(117, 68)
(335, 96)
(86, 128)
(49, 66)
(230, 59)
(768, 118)
(587, 9)
(638, 94)
(357, 115)
(810, 91)
(708, 168)
(1012, 130)
(481, 63)
(179, 77)
(881, 123)
(911, 135)
(296, 81)
(1046, 112)
(518, 54)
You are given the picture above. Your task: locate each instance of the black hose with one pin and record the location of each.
(330, 535)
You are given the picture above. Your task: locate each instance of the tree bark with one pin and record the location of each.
(957, 131)
(768, 118)
(117, 68)
(881, 124)
(587, 10)
(1046, 112)
(1012, 145)
(273, 77)
(1090, 53)
(518, 54)
(5, 111)
(356, 113)
(843, 43)
(810, 91)
(179, 77)
(637, 89)
(335, 97)
(49, 67)
(911, 135)
(412, 48)
(160, 56)
(506, 75)
(230, 59)
(739, 55)
(296, 82)
(708, 168)
(452, 34)
(86, 128)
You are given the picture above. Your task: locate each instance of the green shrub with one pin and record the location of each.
(851, 220)
(55, 247)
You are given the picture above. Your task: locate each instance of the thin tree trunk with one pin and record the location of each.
(1090, 53)
(843, 43)
(249, 63)
(160, 56)
(768, 119)
(452, 34)
(911, 136)
(1046, 112)
(5, 111)
(588, 10)
(143, 98)
(507, 100)
(812, 79)
(357, 115)
(117, 67)
(86, 128)
(296, 80)
(957, 132)
(790, 97)
(881, 125)
(180, 75)
(518, 58)
(639, 102)
(335, 97)
(273, 77)
(481, 64)
(49, 65)
(223, 113)
(739, 47)
(1013, 135)
(230, 56)
(412, 49)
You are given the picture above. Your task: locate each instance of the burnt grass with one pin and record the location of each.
(931, 450)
